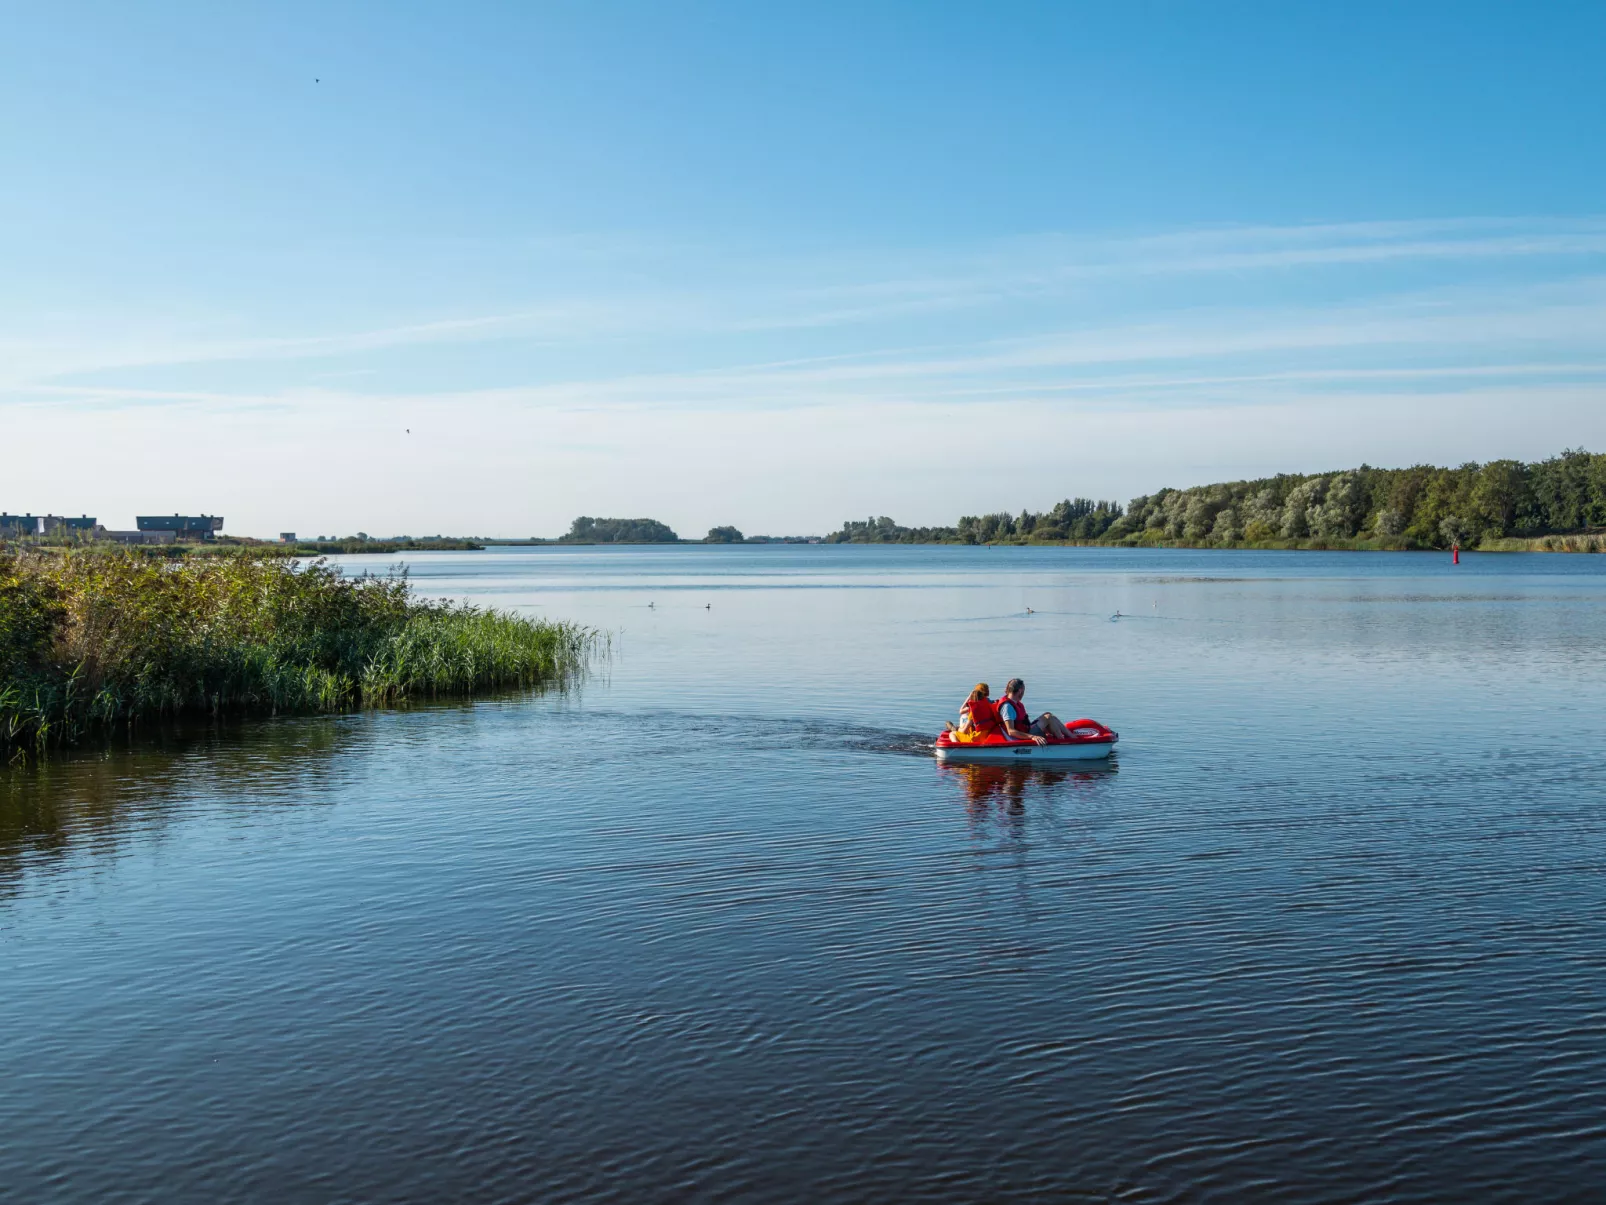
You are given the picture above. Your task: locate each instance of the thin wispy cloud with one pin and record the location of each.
(1554, 327)
(1541, 321)
(712, 297)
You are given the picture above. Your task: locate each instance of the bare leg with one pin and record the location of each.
(1052, 727)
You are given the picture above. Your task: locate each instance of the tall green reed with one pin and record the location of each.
(96, 638)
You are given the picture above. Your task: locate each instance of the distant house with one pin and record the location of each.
(287, 537)
(47, 525)
(19, 525)
(185, 527)
(83, 525)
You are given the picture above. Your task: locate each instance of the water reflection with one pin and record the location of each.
(56, 811)
(1007, 788)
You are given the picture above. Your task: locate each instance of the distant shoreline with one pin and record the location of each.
(1587, 541)
(1582, 542)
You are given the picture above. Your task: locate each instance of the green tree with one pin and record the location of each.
(1570, 490)
(1500, 492)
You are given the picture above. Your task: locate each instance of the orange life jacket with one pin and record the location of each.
(983, 716)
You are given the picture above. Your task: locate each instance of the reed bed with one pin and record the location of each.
(1581, 542)
(1563, 542)
(96, 639)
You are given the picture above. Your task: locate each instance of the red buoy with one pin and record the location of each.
(1455, 554)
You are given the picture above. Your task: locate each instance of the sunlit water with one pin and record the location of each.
(716, 926)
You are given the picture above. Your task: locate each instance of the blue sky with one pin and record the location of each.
(776, 267)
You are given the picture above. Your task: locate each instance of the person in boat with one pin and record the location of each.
(977, 714)
(1017, 721)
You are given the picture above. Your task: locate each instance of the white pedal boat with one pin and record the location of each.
(1089, 741)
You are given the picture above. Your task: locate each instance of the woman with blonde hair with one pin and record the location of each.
(978, 715)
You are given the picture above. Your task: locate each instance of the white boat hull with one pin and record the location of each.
(1026, 754)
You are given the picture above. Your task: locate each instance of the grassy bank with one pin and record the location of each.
(1580, 542)
(233, 545)
(348, 547)
(97, 639)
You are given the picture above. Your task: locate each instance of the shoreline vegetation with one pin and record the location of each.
(588, 530)
(1555, 505)
(96, 640)
(222, 546)
(349, 545)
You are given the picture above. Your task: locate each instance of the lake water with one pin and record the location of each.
(716, 926)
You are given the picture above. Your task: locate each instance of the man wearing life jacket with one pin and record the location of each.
(1018, 725)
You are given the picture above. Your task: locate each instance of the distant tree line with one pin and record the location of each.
(1420, 507)
(884, 531)
(1072, 519)
(1423, 506)
(730, 535)
(586, 530)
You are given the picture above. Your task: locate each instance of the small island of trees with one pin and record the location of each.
(586, 530)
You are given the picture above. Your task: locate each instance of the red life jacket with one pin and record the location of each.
(1023, 722)
(983, 716)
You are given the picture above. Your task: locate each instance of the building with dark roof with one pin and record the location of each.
(183, 527)
(46, 525)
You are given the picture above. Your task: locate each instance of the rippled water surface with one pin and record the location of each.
(716, 926)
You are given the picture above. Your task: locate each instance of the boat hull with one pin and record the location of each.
(1026, 753)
